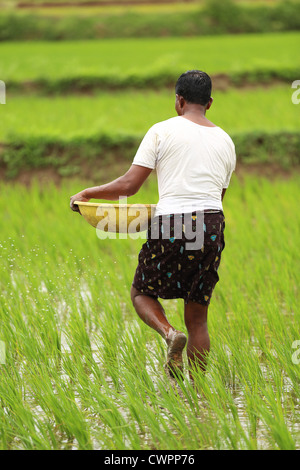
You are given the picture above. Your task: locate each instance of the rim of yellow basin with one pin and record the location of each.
(82, 203)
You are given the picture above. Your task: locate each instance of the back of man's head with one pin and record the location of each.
(194, 86)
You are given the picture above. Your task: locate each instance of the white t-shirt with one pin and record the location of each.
(193, 164)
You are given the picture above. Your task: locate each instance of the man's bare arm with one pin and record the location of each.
(223, 193)
(126, 185)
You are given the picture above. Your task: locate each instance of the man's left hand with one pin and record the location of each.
(77, 197)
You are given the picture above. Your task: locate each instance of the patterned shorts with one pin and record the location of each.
(172, 265)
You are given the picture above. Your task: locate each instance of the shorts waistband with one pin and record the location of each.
(212, 211)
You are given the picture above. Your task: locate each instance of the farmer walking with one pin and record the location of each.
(194, 160)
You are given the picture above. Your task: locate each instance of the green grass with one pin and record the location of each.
(75, 133)
(121, 59)
(107, 9)
(82, 372)
(210, 17)
(132, 113)
(139, 7)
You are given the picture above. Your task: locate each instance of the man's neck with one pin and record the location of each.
(198, 117)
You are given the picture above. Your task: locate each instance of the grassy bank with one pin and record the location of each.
(215, 17)
(104, 129)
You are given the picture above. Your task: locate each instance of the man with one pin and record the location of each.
(194, 160)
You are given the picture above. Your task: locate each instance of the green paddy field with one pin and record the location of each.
(131, 61)
(78, 369)
(70, 117)
(83, 372)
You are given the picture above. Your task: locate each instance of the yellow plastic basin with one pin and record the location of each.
(117, 218)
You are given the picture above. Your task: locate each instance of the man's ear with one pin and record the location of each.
(209, 103)
(182, 101)
(179, 104)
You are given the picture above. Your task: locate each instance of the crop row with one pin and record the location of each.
(66, 132)
(131, 113)
(83, 372)
(87, 65)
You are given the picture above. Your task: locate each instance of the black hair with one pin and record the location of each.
(194, 86)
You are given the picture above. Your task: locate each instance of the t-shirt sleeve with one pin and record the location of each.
(146, 154)
(231, 167)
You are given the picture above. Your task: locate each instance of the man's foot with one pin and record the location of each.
(176, 343)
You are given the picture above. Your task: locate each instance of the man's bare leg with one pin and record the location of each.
(195, 316)
(152, 313)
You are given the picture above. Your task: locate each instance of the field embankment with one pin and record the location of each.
(87, 139)
(214, 17)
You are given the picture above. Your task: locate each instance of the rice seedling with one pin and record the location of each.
(236, 111)
(82, 372)
(118, 58)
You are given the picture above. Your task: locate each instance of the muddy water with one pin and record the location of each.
(256, 428)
